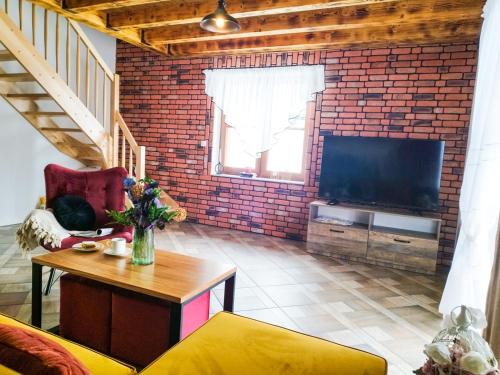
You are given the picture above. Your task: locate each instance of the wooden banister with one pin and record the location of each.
(126, 132)
(136, 154)
(85, 73)
(114, 127)
(76, 70)
(86, 41)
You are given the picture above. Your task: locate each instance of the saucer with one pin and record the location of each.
(78, 247)
(114, 254)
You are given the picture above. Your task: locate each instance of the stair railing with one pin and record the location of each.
(72, 55)
(127, 153)
(68, 50)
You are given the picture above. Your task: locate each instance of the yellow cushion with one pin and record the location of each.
(96, 363)
(7, 371)
(230, 344)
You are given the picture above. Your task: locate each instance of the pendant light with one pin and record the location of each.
(220, 21)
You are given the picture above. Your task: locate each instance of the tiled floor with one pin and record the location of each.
(388, 312)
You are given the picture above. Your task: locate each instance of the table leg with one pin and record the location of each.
(175, 324)
(229, 294)
(36, 295)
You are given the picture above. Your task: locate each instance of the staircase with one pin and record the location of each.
(56, 79)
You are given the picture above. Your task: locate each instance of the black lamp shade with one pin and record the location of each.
(220, 21)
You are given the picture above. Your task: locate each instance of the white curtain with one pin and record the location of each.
(259, 102)
(480, 196)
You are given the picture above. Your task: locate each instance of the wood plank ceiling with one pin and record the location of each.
(172, 27)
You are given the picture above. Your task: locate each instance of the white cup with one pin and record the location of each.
(118, 245)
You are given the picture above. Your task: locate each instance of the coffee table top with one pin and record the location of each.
(173, 277)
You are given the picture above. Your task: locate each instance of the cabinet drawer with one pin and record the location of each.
(414, 252)
(331, 239)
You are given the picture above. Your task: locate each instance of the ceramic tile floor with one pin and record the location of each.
(388, 312)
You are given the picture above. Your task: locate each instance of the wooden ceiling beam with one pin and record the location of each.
(324, 20)
(425, 32)
(177, 12)
(171, 27)
(79, 6)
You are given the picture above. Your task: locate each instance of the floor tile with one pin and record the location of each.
(380, 310)
(273, 316)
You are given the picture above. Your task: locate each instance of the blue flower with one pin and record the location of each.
(128, 183)
(157, 203)
(149, 193)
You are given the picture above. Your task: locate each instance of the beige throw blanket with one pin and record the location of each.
(40, 227)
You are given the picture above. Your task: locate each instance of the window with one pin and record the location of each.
(285, 160)
(262, 119)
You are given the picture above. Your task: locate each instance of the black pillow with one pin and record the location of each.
(74, 213)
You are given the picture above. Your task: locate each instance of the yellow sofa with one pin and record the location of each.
(96, 363)
(5, 371)
(229, 344)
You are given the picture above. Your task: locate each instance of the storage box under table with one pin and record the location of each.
(126, 325)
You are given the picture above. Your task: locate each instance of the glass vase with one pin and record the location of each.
(143, 246)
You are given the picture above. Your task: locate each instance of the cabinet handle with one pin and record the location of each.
(337, 231)
(401, 241)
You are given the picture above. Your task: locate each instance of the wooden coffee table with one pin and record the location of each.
(173, 277)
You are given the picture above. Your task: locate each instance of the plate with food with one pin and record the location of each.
(88, 246)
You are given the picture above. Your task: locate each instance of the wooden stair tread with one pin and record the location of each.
(17, 77)
(65, 130)
(44, 114)
(29, 96)
(69, 138)
(7, 56)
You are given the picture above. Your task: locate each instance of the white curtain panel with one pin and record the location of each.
(471, 269)
(258, 102)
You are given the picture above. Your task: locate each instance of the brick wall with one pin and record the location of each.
(420, 92)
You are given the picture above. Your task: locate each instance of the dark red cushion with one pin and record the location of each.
(85, 315)
(30, 353)
(102, 189)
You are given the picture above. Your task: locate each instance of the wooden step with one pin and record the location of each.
(29, 96)
(7, 56)
(16, 77)
(44, 114)
(65, 130)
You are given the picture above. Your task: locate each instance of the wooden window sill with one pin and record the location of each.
(258, 179)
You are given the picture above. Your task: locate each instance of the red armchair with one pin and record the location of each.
(102, 189)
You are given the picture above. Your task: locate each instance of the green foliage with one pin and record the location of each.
(147, 211)
(124, 218)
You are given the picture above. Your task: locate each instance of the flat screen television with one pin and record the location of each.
(390, 172)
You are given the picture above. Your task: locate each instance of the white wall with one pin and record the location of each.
(24, 152)
(105, 44)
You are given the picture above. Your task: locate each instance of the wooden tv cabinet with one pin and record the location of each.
(394, 238)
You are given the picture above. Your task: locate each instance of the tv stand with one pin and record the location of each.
(395, 238)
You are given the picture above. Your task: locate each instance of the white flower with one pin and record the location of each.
(475, 363)
(439, 353)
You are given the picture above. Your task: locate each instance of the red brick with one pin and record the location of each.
(173, 114)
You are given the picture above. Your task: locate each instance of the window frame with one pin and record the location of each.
(260, 168)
